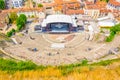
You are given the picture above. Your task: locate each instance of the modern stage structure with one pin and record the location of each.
(59, 24)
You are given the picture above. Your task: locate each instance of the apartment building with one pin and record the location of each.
(17, 3)
(114, 4)
(14, 3)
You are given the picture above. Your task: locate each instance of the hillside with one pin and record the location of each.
(104, 70)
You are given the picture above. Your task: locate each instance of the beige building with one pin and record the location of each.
(32, 13)
(42, 1)
(94, 13)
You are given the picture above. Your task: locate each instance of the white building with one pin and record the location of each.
(94, 13)
(107, 21)
(17, 3)
(32, 12)
(106, 24)
(114, 4)
(59, 24)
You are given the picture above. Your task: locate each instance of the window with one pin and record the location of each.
(16, 2)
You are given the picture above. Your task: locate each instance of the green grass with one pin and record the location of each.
(105, 63)
(13, 66)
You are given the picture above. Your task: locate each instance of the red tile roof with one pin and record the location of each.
(97, 5)
(49, 4)
(70, 12)
(89, 3)
(102, 3)
(104, 11)
(114, 2)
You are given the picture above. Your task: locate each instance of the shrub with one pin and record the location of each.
(40, 5)
(84, 62)
(10, 33)
(13, 17)
(32, 16)
(110, 38)
(115, 29)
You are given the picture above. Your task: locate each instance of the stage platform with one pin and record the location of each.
(60, 31)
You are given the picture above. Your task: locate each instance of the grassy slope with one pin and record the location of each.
(104, 70)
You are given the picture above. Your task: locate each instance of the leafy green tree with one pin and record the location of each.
(110, 38)
(2, 4)
(10, 33)
(40, 5)
(107, 1)
(84, 62)
(115, 28)
(20, 23)
(24, 17)
(13, 30)
(34, 4)
(113, 32)
(13, 17)
(21, 20)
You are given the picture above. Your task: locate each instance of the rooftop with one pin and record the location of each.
(71, 12)
(58, 18)
(106, 23)
(97, 5)
(114, 2)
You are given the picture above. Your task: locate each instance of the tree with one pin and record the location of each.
(34, 4)
(115, 28)
(24, 17)
(113, 32)
(20, 23)
(2, 4)
(40, 5)
(10, 33)
(110, 37)
(13, 17)
(21, 20)
(107, 1)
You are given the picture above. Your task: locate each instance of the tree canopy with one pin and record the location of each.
(21, 20)
(13, 17)
(113, 32)
(2, 4)
(115, 28)
(24, 17)
(10, 33)
(40, 5)
(105, 0)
